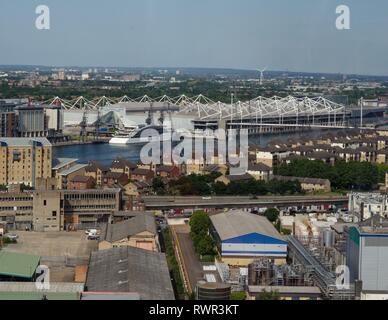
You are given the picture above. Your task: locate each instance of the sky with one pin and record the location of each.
(289, 35)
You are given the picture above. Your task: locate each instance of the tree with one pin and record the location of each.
(159, 186)
(199, 228)
(199, 223)
(205, 246)
(240, 295)
(382, 170)
(268, 295)
(272, 214)
(343, 175)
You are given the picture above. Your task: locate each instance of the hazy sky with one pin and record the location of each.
(295, 35)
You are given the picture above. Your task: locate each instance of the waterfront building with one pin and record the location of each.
(31, 121)
(23, 160)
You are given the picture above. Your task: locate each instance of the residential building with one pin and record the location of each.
(7, 119)
(165, 171)
(96, 171)
(260, 171)
(235, 178)
(81, 183)
(141, 174)
(308, 184)
(121, 165)
(65, 169)
(111, 179)
(23, 160)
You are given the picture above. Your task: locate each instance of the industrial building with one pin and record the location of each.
(19, 118)
(31, 121)
(242, 237)
(56, 210)
(23, 160)
(130, 270)
(138, 231)
(30, 292)
(365, 205)
(213, 291)
(285, 292)
(367, 254)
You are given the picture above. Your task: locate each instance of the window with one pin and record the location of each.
(44, 202)
(54, 213)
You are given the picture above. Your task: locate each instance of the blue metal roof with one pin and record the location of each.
(254, 238)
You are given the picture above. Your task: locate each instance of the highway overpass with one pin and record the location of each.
(220, 202)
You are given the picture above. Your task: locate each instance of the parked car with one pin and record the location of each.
(93, 237)
(91, 232)
(11, 236)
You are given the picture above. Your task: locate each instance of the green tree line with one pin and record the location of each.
(343, 175)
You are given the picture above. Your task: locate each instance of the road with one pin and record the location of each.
(168, 202)
(191, 262)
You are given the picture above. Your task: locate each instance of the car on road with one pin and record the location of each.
(206, 198)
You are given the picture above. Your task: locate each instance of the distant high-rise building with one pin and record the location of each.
(61, 75)
(7, 119)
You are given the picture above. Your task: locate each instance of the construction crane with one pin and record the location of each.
(84, 123)
(149, 119)
(97, 124)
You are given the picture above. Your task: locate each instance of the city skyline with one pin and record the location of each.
(180, 34)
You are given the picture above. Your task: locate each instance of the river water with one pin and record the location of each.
(106, 153)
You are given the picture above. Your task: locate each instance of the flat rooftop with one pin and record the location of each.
(24, 142)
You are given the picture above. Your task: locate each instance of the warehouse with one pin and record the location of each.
(130, 270)
(367, 254)
(242, 237)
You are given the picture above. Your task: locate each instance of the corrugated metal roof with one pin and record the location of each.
(236, 223)
(128, 269)
(127, 228)
(18, 265)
